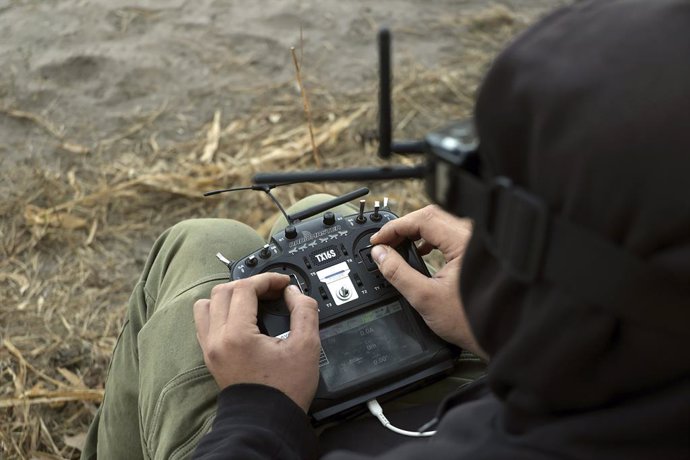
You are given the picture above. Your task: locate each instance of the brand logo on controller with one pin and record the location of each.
(324, 255)
(308, 236)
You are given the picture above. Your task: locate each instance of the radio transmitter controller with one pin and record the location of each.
(372, 341)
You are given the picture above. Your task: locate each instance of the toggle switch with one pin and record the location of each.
(360, 218)
(376, 216)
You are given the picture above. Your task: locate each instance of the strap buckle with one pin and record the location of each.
(516, 228)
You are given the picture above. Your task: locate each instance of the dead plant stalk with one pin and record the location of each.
(307, 107)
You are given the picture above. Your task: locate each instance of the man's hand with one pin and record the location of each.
(437, 299)
(236, 352)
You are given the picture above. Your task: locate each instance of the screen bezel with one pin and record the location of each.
(396, 368)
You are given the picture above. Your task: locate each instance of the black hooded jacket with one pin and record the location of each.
(590, 111)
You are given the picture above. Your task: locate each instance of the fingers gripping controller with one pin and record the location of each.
(330, 260)
(373, 341)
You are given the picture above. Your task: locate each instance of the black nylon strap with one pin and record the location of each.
(531, 243)
(514, 222)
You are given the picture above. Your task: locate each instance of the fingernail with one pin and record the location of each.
(379, 254)
(294, 289)
(373, 236)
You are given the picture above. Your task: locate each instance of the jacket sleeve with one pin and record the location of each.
(258, 422)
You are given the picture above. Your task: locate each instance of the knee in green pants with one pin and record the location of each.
(159, 398)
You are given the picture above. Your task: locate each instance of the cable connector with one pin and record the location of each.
(377, 411)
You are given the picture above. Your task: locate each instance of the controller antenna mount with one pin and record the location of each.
(261, 187)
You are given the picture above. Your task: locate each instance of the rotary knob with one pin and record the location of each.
(290, 232)
(328, 218)
(265, 252)
(252, 261)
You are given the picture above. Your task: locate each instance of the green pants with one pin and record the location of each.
(159, 397)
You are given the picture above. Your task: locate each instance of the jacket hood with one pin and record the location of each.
(589, 110)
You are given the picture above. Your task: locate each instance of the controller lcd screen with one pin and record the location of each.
(367, 344)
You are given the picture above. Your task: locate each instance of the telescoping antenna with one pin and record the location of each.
(386, 145)
(385, 104)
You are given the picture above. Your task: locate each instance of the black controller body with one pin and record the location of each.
(373, 342)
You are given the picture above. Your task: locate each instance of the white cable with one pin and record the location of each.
(377, 411)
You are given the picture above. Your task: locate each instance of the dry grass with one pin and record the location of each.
(72, 241)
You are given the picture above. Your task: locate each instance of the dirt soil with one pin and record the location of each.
(116, 115)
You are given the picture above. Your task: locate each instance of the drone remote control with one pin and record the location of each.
(373, 342)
